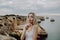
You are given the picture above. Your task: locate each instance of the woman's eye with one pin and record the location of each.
(32, 16)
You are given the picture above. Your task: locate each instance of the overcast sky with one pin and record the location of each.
(23, 7)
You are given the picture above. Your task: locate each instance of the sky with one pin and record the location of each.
(23, 7)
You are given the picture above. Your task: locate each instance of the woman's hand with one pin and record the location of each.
(27, 26)
(23, 33)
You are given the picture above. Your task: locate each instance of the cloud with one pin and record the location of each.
(25, 6)
(4, 11)
(32, 4)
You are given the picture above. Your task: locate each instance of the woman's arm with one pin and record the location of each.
(35, 32)
(23, 34)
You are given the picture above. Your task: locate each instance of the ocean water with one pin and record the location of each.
(52, 28)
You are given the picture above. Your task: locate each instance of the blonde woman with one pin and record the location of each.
(31, 28)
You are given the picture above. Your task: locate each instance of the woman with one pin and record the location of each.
(31, 28)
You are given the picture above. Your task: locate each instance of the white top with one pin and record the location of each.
(29, 34)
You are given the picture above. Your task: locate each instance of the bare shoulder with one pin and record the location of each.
(36, 29)
(35, 26)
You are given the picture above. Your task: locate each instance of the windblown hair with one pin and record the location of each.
(35, 19)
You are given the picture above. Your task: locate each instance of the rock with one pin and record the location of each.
(2, 37)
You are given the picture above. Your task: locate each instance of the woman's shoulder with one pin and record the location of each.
(36, 26)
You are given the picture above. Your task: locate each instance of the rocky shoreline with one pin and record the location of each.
(6, 22)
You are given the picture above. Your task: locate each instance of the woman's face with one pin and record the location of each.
(31, 18)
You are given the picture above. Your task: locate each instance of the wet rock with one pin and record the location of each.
(52, 20)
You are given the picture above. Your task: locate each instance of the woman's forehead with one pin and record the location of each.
(31, 15)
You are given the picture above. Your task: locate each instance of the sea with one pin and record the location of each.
(52, 28)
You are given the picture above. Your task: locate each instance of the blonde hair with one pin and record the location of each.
(35, 19)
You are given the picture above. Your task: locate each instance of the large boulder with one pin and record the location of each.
(3, 37)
